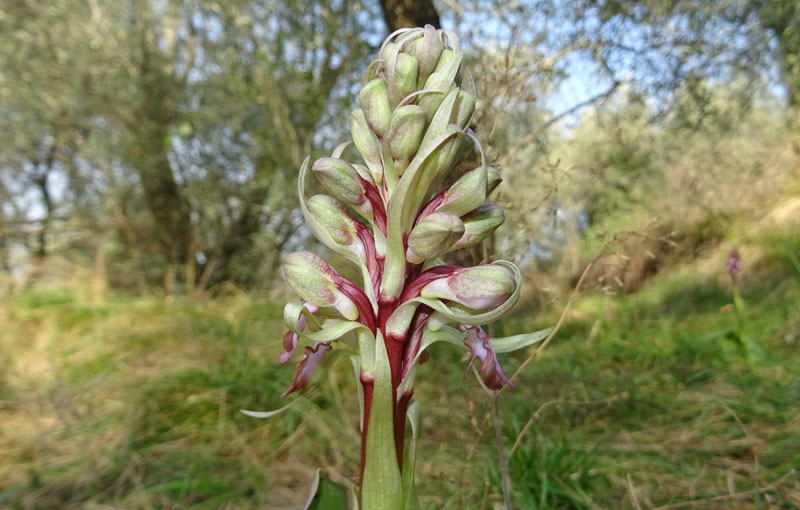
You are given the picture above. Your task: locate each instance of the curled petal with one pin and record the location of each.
(290, 338)
(478, 343)
(289, 344)
(305, 369)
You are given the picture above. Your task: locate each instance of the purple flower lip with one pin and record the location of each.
(478, 343)
(305, 369)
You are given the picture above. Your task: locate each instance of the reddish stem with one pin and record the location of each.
(368, 383)
(400, 424)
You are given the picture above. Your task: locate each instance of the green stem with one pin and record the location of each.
(381, 484)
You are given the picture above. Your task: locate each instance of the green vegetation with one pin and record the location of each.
(134, 403)
(147, 198)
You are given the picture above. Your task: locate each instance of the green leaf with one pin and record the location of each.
(265, 414)
(356, 361)
(336, 329)
(430, 337)
(326, 495)
(410, 500)
(516, 342)
(333, 329)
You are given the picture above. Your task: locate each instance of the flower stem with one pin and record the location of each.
(501, 451)
(381, 483)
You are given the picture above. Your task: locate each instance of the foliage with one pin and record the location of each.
(155, 139)
(163, 132)
(638, 396)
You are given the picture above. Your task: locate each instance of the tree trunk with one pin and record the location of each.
(409, 14)
(159, 90)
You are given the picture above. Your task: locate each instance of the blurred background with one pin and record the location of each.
(149, 152)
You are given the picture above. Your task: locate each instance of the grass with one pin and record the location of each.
(642, 402)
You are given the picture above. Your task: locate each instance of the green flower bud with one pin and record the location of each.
(466, 194)
(333, 217)
(479, 224)
(374, 101)
(446, 157)
(405, 133)
(477, 288)
(462, 111)
(427, 49)
(441, 80)
(493, 180)
(402, 80)
(387, 51)
(366, 144)
(315, 282)
(433, 236)
(342, 180)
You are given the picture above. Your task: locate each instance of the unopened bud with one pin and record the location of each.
(387, 50)
(433, 236)
(343, 182)
(367, 144)
(446, 156)
(493, 180)
(462, 111)
(402, 81)
(405, 132)
(315, 282)
(441, 81)
(466, 194)
(478, 288)
(479, 224)
(440, 77)
(334, 218)
(340, 178)
(374, 101)
(427, 50)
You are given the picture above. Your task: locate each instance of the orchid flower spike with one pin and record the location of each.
(390, 213)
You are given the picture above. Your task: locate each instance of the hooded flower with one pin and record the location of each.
(480, 347)
(305, 369)
(290, 338)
